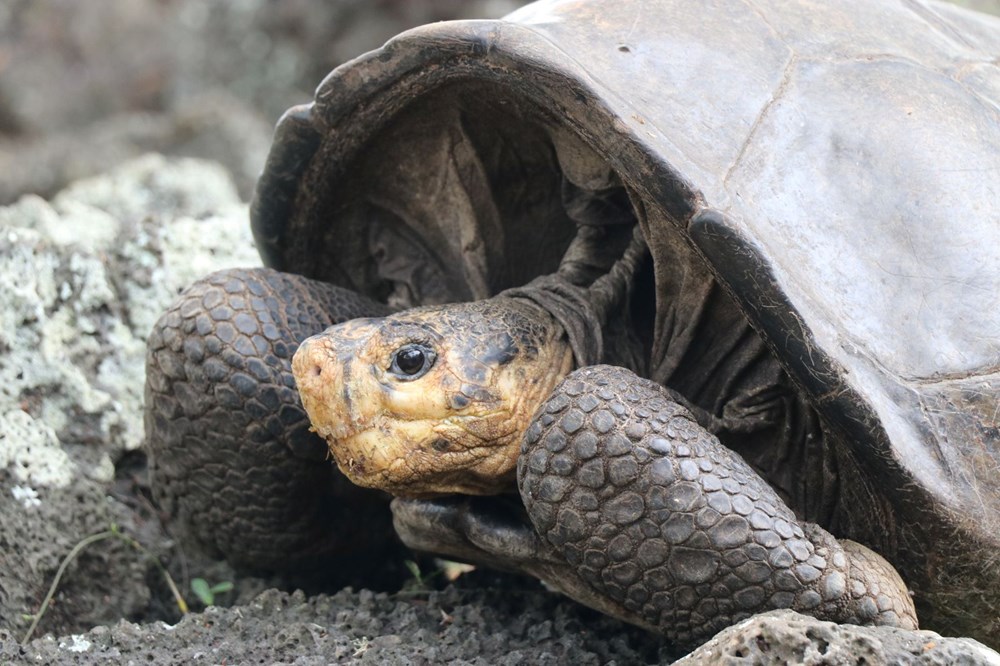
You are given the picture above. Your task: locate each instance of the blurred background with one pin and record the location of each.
(87, 85)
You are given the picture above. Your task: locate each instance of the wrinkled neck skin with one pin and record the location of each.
(456, 425)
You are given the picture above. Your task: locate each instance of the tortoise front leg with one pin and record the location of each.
(233, 462)
(655, 514)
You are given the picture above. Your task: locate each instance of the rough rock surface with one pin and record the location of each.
(785, 637)
(82, 279)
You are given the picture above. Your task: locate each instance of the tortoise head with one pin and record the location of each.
(433, 400)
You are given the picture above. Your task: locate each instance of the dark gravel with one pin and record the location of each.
(511, 621)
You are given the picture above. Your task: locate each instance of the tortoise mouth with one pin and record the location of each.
(420, 472)
(363, 464)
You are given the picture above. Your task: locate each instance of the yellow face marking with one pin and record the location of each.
(433, 400)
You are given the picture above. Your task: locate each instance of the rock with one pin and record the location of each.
(82, 279)
(786, 637)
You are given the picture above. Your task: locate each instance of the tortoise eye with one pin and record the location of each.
(412, 361)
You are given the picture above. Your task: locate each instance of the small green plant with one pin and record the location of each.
(420, 583)
(418, 577)
(206, 593)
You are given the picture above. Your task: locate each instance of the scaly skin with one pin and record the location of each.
(233, 464)
(655, 514)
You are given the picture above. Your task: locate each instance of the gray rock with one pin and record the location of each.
(82, 279)
(786, 637)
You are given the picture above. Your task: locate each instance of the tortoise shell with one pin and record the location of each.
(829, 171)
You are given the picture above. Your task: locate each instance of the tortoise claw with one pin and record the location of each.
(492, 531)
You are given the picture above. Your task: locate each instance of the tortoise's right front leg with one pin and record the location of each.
(654, 514)
(233, 462)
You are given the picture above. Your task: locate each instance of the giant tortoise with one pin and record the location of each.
(777, 226)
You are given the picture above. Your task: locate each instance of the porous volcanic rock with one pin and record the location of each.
(786, 637)
(82, 279)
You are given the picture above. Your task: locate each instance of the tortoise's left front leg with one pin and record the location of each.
(234, 467)
(654, 514)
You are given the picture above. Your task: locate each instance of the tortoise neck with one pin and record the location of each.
(584, 311)
(609, 293)
(570, 307)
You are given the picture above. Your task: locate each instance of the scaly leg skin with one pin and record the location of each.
(656, 515)
(233, 463)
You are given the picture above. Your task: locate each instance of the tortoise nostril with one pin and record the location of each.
(317, 371)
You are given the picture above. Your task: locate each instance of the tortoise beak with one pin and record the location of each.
(342, 403)
(322, 373)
